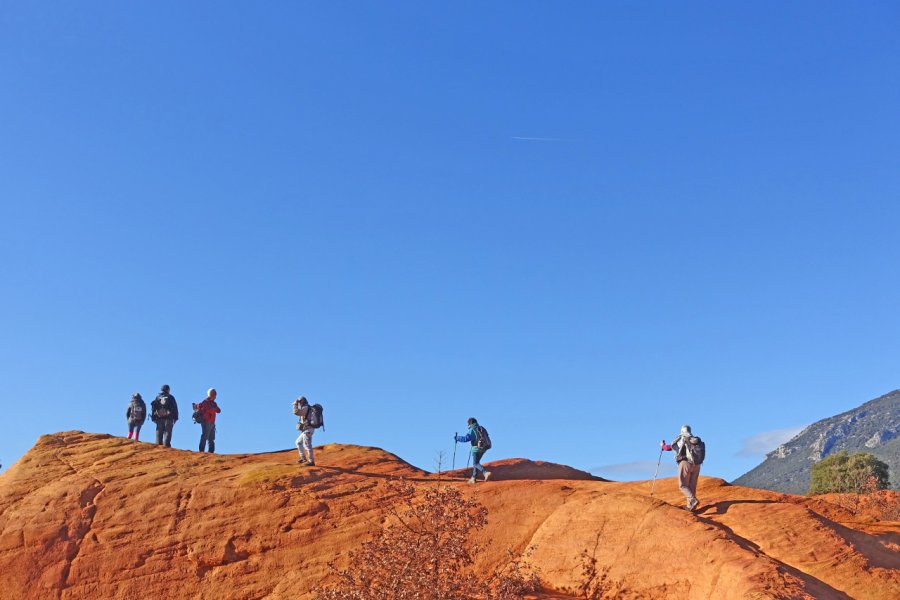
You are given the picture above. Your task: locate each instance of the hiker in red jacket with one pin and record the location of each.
(208, 410)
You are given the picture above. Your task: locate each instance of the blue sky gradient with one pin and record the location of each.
(583, 224)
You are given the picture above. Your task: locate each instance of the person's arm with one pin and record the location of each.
(464, 438)
(216, 406)
(174, 406)
(664, 446)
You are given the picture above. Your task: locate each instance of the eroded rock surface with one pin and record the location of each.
(94, 516)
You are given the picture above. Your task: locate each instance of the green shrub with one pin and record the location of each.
(843, 473)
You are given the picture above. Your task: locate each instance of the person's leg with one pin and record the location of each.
(476, 464)
(695, 477)
(160, 428)
(130, 430)
(170, 425)
(137, 431)
(684, 481)
(204, 434)
(212, 437)
(484, 472)
(307, 446)
(299, 443)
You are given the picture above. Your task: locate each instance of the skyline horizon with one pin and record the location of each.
(586, 227)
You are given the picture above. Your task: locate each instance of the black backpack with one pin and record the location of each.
(483, 440)
(315, 417)
(695, 450)
(138, 412)
(198, 416)
(164, 408)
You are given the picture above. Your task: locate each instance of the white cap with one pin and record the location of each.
(686, 430)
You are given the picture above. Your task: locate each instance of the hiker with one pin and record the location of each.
(207, 409)
(481, 443)
(310, 420)
(136, 414)
(164, 412)
(689, 454)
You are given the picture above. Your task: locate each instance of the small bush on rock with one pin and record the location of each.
(425, 554)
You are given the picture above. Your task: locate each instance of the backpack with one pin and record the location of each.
(198, 416)
(482, 438)
(162, 410)
(314, 416)
(695, 450)
(138, 412)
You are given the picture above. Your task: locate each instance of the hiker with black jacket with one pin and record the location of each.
(481, 443)
(136, 414)
(307, 428)
(689, 454)
(208, 409)
(164, 412)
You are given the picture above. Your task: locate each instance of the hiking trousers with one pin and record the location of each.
(476, 462)
(164, 432)
(688, 474)
(304, 445)
(208, 433)
(135, 430)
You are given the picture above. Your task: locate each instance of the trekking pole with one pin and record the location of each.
(454, 451)
(659, 460)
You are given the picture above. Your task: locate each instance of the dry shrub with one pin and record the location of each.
(593, 576)
(873, 502)
(425, 554)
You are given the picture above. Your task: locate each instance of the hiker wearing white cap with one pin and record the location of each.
(690, 451)
(208, 409)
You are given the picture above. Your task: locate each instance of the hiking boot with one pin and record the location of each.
(300, 461)
(693, 504)
(487, 475)
(472, 479)
(310, 463)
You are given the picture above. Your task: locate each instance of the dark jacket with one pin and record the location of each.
(165, 402)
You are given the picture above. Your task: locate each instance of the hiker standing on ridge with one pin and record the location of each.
(689, 454)
(208, 410)
(164, 412)
(481, 443)
(136, 413)
(306, 426)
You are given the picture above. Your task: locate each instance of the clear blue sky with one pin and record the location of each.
(584, 224)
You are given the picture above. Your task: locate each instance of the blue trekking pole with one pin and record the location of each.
(454, 451)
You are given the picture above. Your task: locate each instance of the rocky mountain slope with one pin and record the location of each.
(874, 427)
(94, 516)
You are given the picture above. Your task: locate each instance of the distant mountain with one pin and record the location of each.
(874, 427)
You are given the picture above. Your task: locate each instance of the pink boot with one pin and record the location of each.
(129, 435)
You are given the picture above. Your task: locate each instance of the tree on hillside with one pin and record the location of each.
(843, 473)
(425, 554)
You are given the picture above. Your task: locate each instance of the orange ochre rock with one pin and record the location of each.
(100, 517)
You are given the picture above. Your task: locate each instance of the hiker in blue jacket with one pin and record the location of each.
(481, 443)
